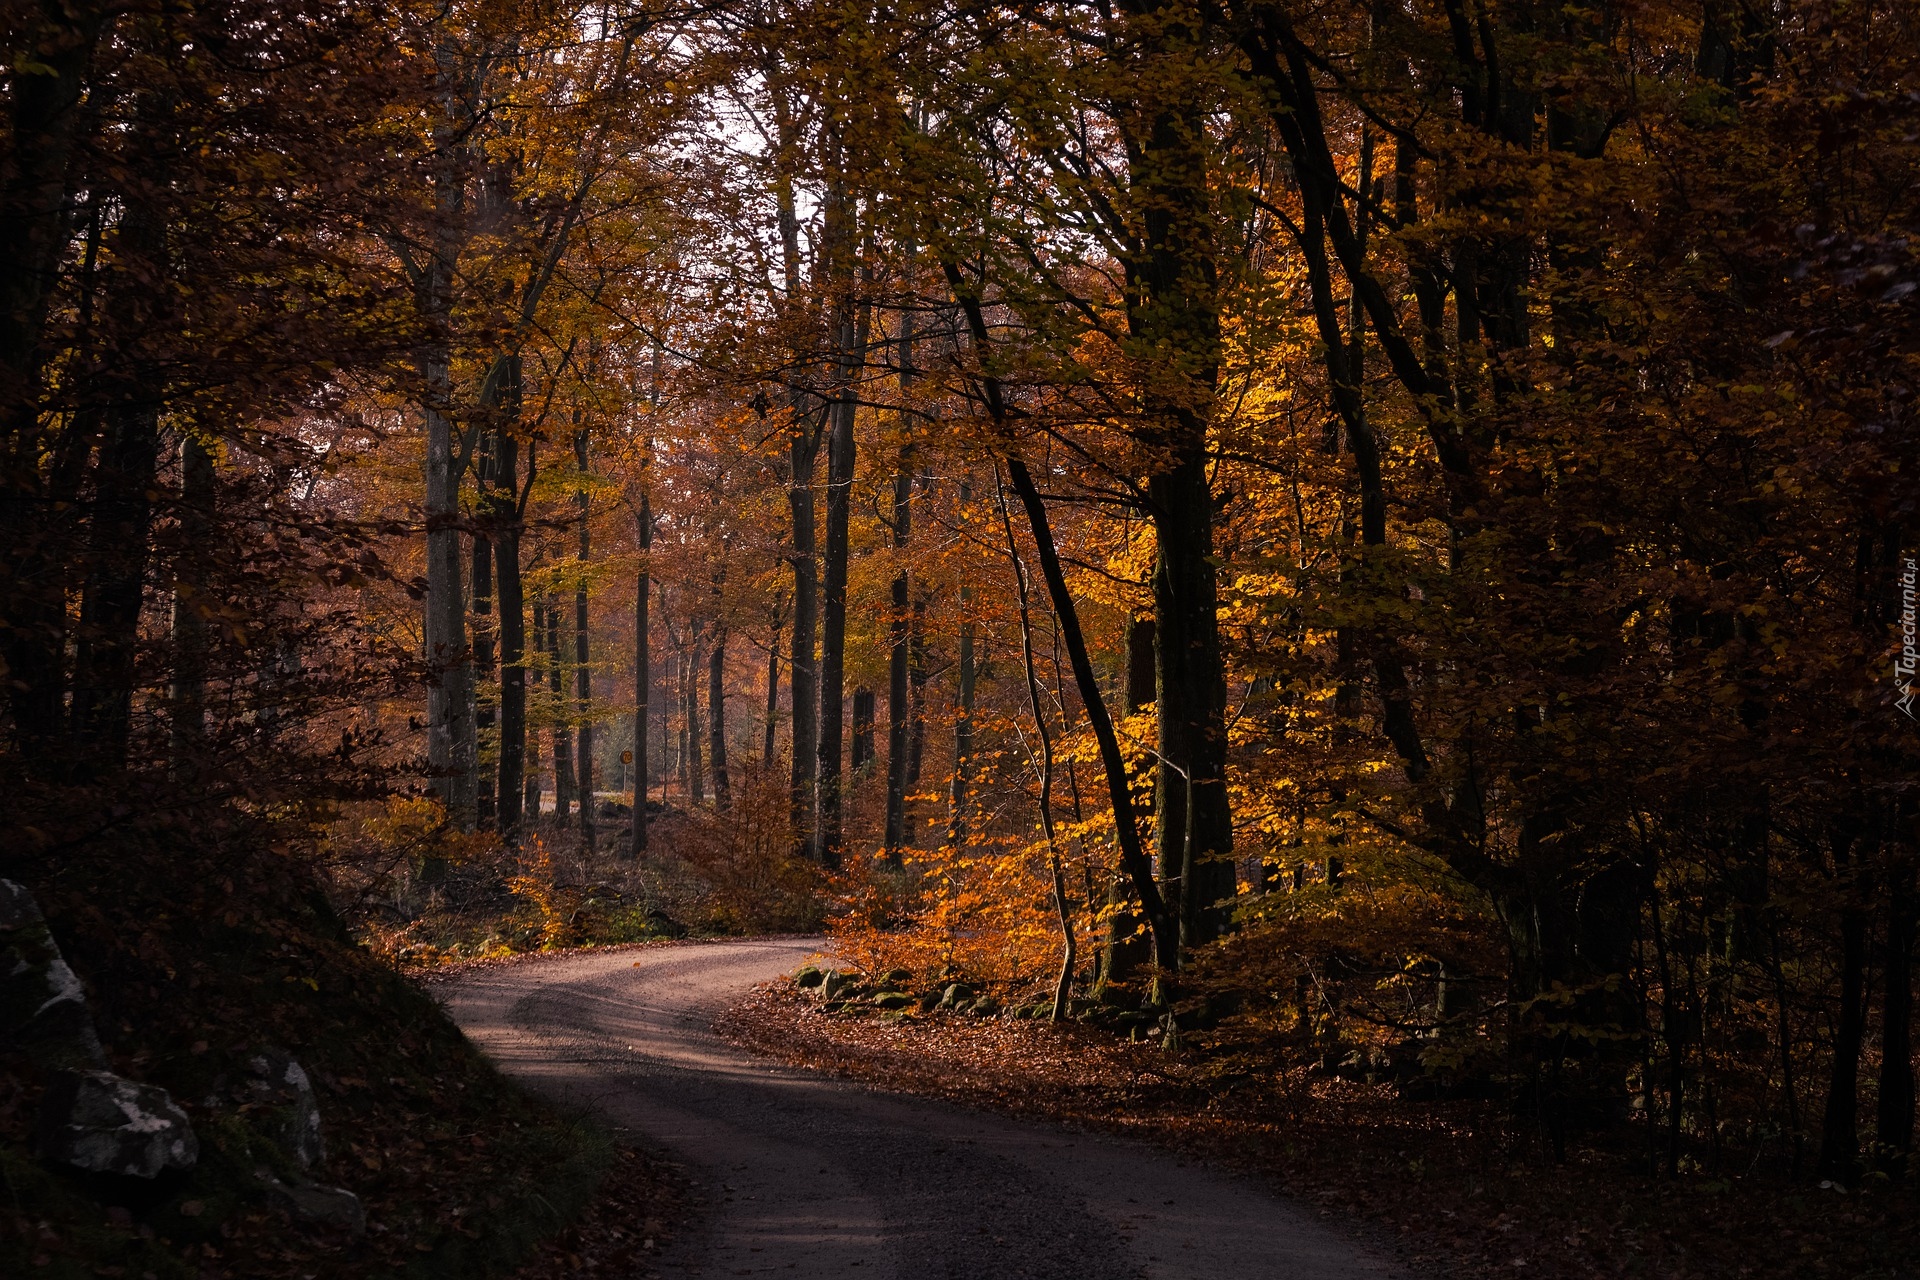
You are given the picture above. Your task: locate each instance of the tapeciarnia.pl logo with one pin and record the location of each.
(1909, 659)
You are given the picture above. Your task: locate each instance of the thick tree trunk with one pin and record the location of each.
(1196, 826)
(642, 678)
(717, 721)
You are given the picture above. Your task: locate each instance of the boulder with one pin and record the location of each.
(808, 977)
(100, 1123)
(986, 1006)
(279, 1096)
(898, 978)
(836, 985)
(955, 995)
(316, 1202)
(892, 1000)
(43, 1007)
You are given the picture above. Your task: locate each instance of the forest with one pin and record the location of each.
(1342, 546)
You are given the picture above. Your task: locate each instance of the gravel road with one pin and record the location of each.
(817, 1179)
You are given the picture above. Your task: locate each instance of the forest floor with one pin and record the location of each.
(1451, 1182)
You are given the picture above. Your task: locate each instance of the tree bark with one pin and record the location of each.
(860, 745)
(960, 786)
(717, 721)
(833, 630)
(773, 696)
(899, 712)
(562, 736)
(484, 709)
(642, 677)
(899, 621)
(451, 756)
(1895, 1109)
(188, 694)
(46, 119)
(917, 691)
(1126, 828)
(806, 743)
(1839, 1130)
(1069, 946)
(109, 629)
(513, 614)
(690, 673)
(582, 654)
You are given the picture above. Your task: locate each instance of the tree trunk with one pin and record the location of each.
(121, 512)
(485, 798)
(45, 120)
(1895, 1110)
(717, 721)
(958, 795)
(1133, 857)
(642, 678)
(773, 697)
(899, 623)
(1839, 1130)
(690, 692)
(860, 753)
(1174, 308)
(530, 789)
(582, 654)
(109, 633)
(562, 736)
(513, 619)
(917, 695)
(451, 756)
(806, 743)
(1126, 947)
(899, 712)
(833, 631)
(188, 694)
(1069, 947)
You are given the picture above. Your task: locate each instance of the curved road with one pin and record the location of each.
(817, 1179)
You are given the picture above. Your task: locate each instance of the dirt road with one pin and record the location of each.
(813, 1178)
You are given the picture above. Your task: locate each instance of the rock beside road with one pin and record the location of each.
(43, 1007)
(99, 1123)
